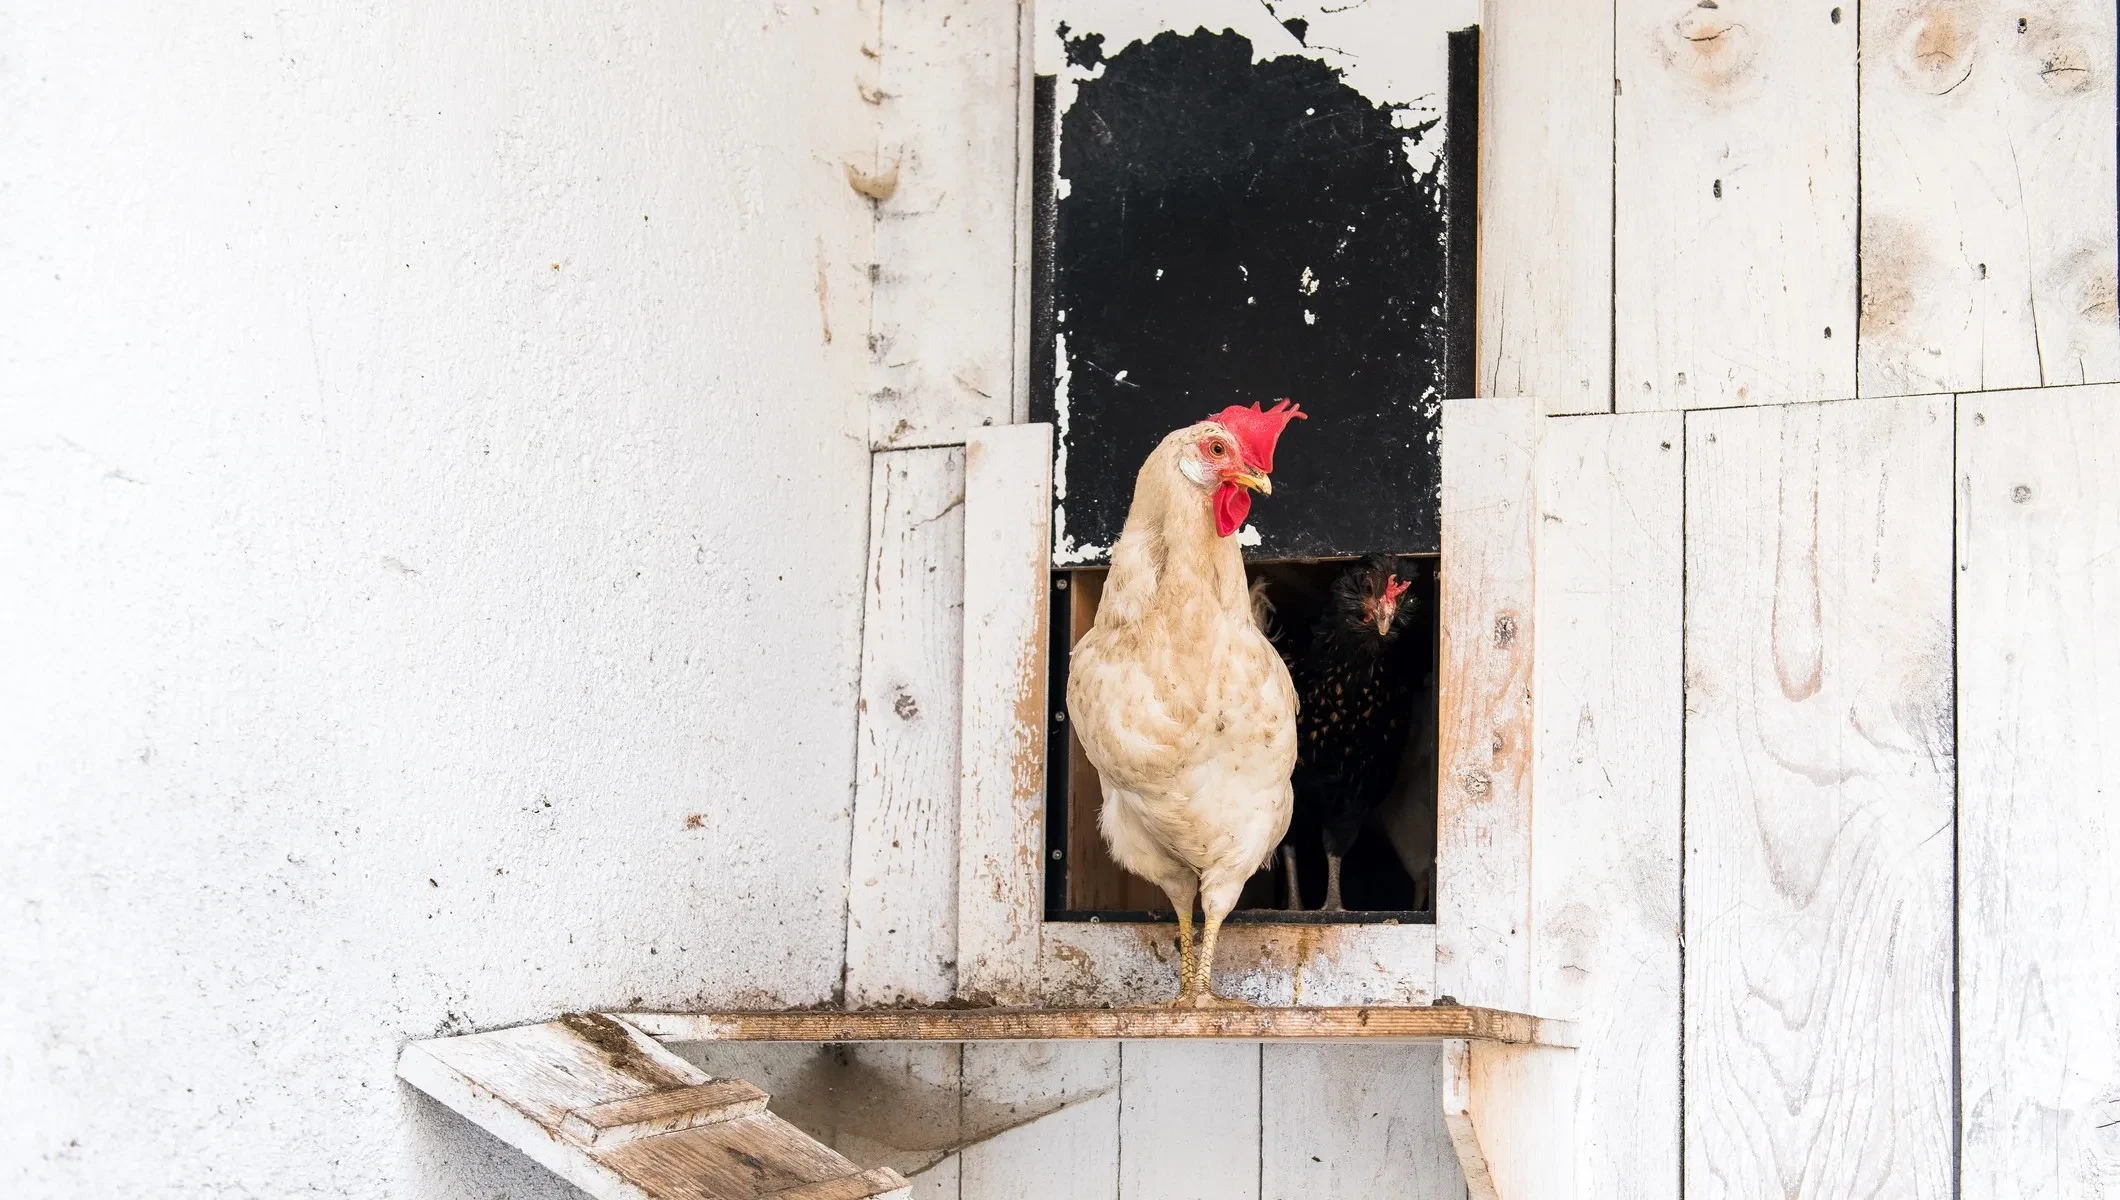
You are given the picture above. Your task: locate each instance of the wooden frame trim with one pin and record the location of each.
(1430, 1024)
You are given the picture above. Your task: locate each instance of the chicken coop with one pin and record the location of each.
(1746, 378)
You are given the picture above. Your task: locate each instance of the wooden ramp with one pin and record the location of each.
(603, 1106)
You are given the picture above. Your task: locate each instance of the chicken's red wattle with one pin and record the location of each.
(1232, 505)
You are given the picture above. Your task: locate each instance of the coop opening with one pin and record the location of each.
(1368, 794)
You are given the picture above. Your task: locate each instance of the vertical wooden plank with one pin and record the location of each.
(1987, 195)
(902, 891)
(943, 1181)
(944, 321)
(1605, 828)
(1819, 787)
(1066, 1096)
(1508, 1109)
(1734, 235)
(2039, 706)
(1189, 1121)
(1001, 817)
(1483, 843)
(1545, 210)
(1354, 1122)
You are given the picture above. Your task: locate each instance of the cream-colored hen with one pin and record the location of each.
(1181, 703)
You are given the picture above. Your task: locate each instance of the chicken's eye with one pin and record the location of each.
(1216, 449)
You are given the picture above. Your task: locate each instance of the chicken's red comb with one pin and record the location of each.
(1393, 589)
(1257, 431)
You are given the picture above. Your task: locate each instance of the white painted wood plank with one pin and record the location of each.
(1279, 965)
(1072, 1154)
(2039, 801)
(945, 307)
(1510, 1114)
(1608, 761)
(1354, 1123)
(902, 892)
(1001, 814)
(1545, 207)
(1987, 196)
(1061, 1104)
(895, 1105)
(939, 1182)
(1188, 1121)
(1483, 843)
(1819, 788)
(1734, 145)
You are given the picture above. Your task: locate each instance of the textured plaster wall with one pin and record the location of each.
(431, 534)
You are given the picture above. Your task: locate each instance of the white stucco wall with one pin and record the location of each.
(431, 527)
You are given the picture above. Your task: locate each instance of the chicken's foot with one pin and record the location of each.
(1197, 989)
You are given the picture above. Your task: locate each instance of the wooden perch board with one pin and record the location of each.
(602, 1105)
(1437, 1023)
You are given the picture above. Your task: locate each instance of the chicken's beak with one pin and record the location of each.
(1256, 481)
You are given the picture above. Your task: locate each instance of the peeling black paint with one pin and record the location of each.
(1200, 188)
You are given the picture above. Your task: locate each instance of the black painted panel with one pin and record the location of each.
(1233, 231)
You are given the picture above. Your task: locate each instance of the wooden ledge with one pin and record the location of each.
(1445, 1022)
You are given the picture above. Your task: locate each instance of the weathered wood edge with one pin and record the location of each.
(1430, 1024)
(1001, 799)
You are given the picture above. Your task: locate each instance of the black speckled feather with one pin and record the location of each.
(1355, 692)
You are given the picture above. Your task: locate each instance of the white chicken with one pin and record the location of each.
(1181, 703)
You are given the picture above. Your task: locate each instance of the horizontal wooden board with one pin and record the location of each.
(1098, 965)
(1434, 1023)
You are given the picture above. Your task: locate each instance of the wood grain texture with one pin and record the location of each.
(1734, 234)
(522, 1085)
(1819, 786)
(1354, 1123)
(2039, 705)
(1987, 196)
(1483, 843)
(902, 892)
(1509, 1111)
(1047, 1024)
(944, 324)
(1605, 829)
(1545, 206)
(1283, 965)
(1188, 1122)
(1001, 807)
(663, 1112)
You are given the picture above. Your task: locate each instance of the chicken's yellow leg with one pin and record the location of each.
(1199, 991)
(1187, 955)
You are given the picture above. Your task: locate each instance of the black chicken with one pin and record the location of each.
(1356, 675)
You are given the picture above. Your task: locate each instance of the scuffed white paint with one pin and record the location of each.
(421, 459)
(1066, 552)
(1386, 51)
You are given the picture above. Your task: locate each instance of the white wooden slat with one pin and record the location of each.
(902, 890)
(1734, 231)
(945, 305)
(1277, 965)
(1509, 1111)
(1354, 1123)
(1072, 1154)
(1483, 843)
(2039, 798)
(1819, 794)
(1061, 1105)
(1001, 813)
(1188, 1121)
(943, 1181)
(1545, 210)
(1987, 196)
(1605, 826)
